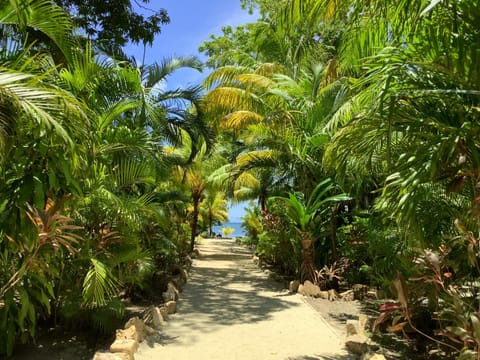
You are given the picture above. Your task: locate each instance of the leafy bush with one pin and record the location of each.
(374, 251)
(278, 244)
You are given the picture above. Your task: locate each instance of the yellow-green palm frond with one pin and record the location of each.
(229, 99)
(224, 75)
(255, 81)
(331, 73)
(247, 180)
(256, 158)
(240, 119)
(28, 96)
(311, 11)
(269, 69)
(243, 194)
(220, 176)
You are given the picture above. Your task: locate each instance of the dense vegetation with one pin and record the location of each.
(353, 124)
(382, 98)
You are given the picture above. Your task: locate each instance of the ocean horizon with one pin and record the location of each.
(238, 230)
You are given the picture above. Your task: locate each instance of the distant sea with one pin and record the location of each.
(237, 226)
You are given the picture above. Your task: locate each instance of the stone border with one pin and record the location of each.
(137, 330)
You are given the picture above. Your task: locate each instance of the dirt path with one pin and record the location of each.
(230, 309)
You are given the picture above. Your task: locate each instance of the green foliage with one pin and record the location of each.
(87, 190)
(303, 213)
(251, 223)
(116, 21)
(374, 251)
(277, 244)
(99, 285)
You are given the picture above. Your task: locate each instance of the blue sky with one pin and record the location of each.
(191, 23)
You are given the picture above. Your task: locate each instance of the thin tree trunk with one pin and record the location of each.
(210, 223)
(194, 223)
(307, 269)
(334, 233)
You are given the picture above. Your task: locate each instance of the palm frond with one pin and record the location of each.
(240, 119)
(99, 285)
(43, 16)
(158, 72)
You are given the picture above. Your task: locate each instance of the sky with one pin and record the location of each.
(191, 23)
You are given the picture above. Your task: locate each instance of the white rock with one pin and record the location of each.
(124, 346)
(157, 317)
(171, 307)
(293, 286)
(309, 289)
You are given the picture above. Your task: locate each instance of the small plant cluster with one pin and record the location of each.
(440, 299)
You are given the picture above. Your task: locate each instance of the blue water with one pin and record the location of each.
(239, 231)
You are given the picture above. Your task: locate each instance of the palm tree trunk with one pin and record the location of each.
(336, 211)
(210, 223)
(194, 222)
(307, 269)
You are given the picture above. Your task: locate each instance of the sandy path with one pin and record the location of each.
(231, 310)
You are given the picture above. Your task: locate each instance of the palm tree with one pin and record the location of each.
(40, 24)
(304, 215)
(213, 209)
(410, 109)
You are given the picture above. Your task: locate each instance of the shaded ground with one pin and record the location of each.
(231, 309)
(55, 345)
(336, 312)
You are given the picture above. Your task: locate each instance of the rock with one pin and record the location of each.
(157, 317)
(187, 260)
(293, 286)
(357, 344)
(332, 295)
(323, 295)
(309, 289)
(370, 356)
(142, 330)
(364, 323)
(171, 307)
(124, 346)
(352, 328)
(300, 289)
(164, 312)
(179, 282)
(359, 291)
(180, 271)
(172, 292)
(111, 356)
(347, 295)
(129, 333)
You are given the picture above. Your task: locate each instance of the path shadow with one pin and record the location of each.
(231, 296)
(226, 289)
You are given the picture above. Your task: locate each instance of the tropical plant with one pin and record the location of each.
(213, 209)
(304, 215)
(251, 222)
